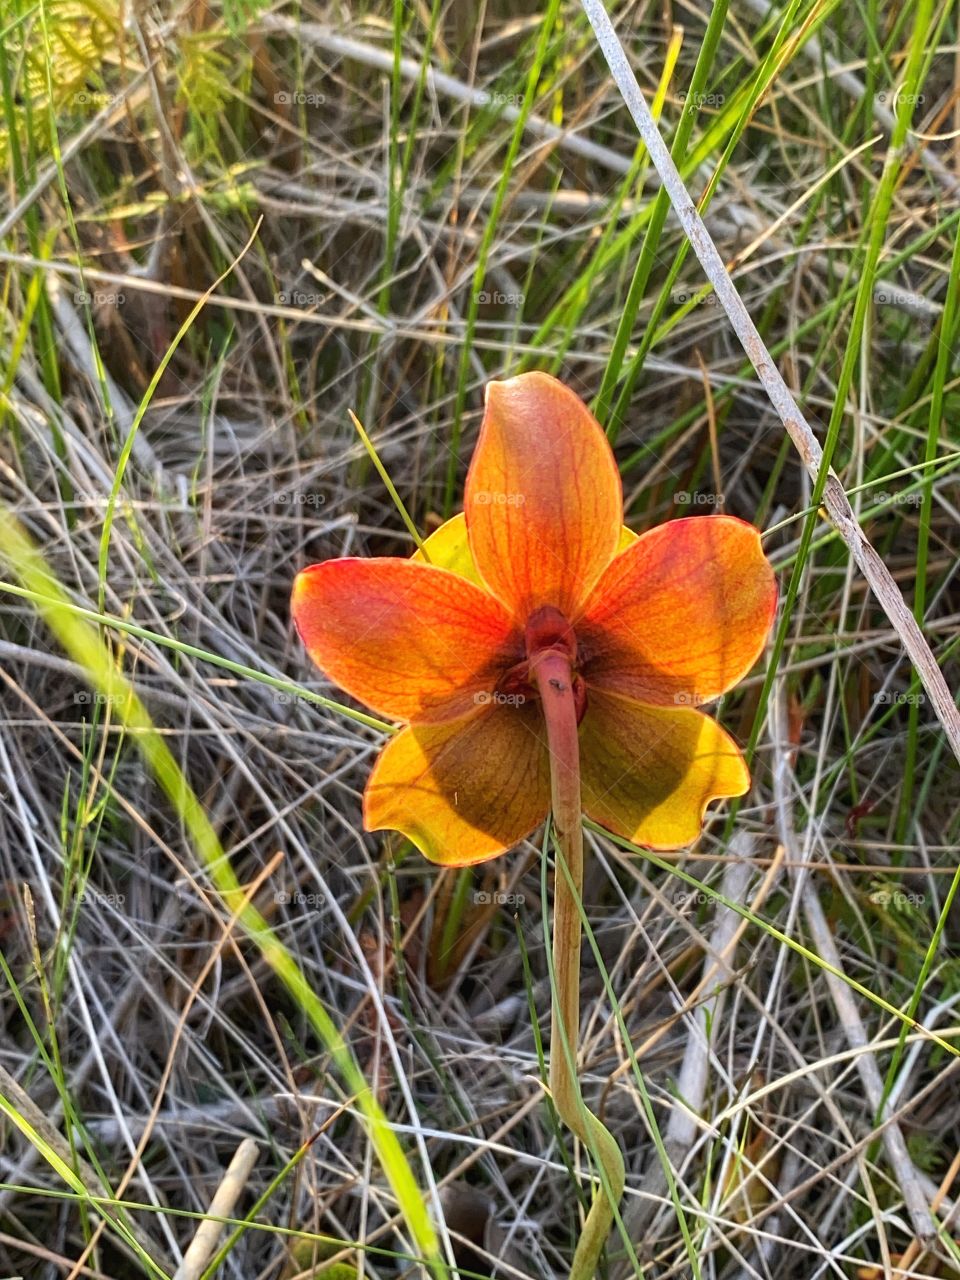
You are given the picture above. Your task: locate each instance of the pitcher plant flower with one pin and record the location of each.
(450, 643)
(544, 659)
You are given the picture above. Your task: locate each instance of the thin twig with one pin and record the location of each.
(834, 499)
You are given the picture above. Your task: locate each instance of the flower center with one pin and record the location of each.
(547, 635)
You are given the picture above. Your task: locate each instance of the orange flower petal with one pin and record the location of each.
(463, 791)
(682, 615)
(409, 640)
(543, 500)
(648, 773)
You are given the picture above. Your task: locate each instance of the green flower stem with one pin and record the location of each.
(555, 682)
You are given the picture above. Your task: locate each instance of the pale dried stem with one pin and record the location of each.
(202, 1246)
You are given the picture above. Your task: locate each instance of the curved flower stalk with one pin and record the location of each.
(541, 656)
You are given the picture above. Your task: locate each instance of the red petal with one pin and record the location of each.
(648, 773)
(682, 615)
(463, 791)
(409, 640)
(543, 499)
